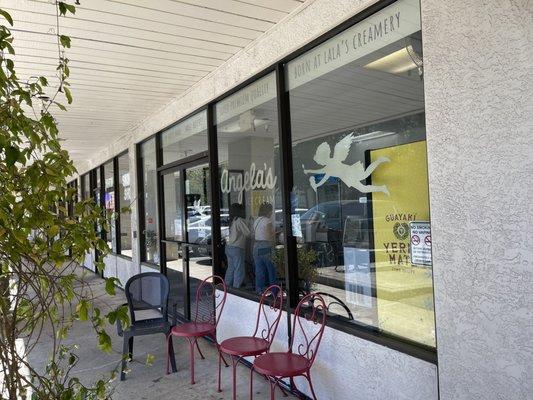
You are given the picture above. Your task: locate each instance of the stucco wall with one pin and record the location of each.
(478, 74)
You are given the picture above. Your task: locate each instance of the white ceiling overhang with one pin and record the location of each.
(131, 57)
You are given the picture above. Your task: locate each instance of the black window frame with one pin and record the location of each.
(140, 195)
(118, 206)
(415, 349)
(101, 191)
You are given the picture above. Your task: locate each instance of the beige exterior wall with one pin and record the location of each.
(478, 75)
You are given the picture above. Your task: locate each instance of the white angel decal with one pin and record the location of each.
(351, 175)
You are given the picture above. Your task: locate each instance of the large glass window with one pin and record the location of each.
(150, 233)
(360, 195)
(251, 208)
(72, 202)
(96, 187)
(85, 186)
(184, 139)
(124, 198)
(109, 204)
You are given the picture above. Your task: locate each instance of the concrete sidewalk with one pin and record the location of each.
(144, 381)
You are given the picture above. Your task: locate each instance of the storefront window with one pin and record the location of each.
(360, 195)
(109, 204)
(124, 198)
(96, 186)
(85, 187)
(149, 195)
(251, 215)
(185, 139)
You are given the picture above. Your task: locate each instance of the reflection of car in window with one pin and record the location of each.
(333, 213)
(199, 231)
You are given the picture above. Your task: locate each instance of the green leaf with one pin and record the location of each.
(9, 48)
(43, 81)
(83, 310)
(68, 94)
(53, 231)
(110, 286)
(104, 342)
(61, 106)
(10, 65)
(112, 317)
(65, 41)
(150, 359)
(71, 8)
(100, 390)
(6, 15)
(12, 155)
(62, 333)
(62, 8)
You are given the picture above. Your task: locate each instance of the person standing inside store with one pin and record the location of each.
(263, 230)
(236, 245)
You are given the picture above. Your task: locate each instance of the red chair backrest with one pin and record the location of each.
(308, 326)
(210, 300)
(269, 313)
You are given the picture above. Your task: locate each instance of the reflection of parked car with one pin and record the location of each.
(200, 233)
(332, 214)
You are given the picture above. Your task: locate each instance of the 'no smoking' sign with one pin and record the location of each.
(420, 242)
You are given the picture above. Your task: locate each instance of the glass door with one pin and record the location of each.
(198, 227)
(172, 243)
(186, 232)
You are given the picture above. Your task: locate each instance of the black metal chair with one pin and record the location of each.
(147, 294)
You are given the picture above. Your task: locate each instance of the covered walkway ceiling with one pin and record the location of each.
(130, 57)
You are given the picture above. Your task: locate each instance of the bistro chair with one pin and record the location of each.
(147, 296)
(268, 317)
(307, 329)
(210, 300)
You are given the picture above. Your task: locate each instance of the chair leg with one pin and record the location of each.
(272, 388)
(170, 354)
(214, 337)
(124, 358)
(199, 351)
(234, 361)
(251, 382)
(222, 355)
(308, 377)
(219, 389)
(191, 357)
(130, 346)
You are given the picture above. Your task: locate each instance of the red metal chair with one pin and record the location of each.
(210, 300)
(268, 317)
(307, 329)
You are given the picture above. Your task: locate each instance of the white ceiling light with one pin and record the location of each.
(371, 135)
(239, 126)
(395, 63)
